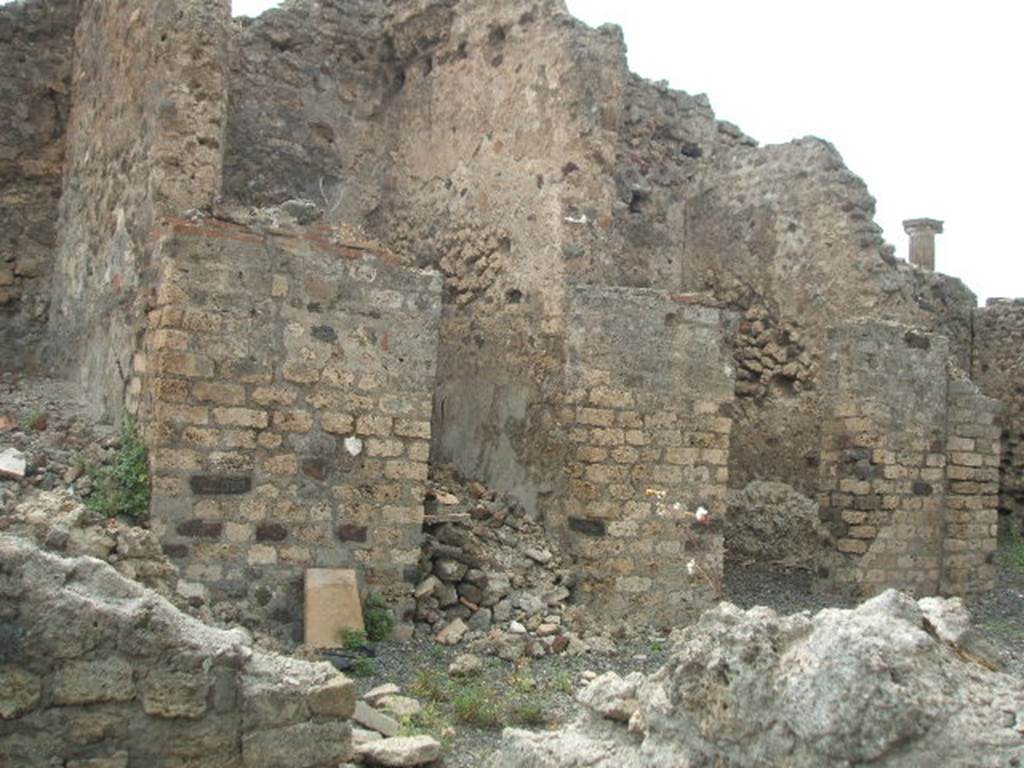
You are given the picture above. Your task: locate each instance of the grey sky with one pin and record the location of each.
(921, 98)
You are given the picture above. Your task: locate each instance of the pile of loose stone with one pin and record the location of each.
(495, 581)
(377, 722)
(47, 439)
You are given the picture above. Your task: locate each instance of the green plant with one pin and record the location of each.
(477, 705)
(35, 420)
(362, 667)
(562, 682)
(430, 684)
(377, 618)
(352, 639)
(431, 720)
(122, 487)
(528, 713)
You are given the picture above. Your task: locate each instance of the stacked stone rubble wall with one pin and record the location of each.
(99, 671)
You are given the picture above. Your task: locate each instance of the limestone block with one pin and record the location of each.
(89, 682)
(332, 605)
(401, 751)
(336, 698)
(302, 745)
(175, 693)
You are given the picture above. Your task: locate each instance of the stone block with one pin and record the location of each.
(92, 682)
(302, 745)
(331, 605)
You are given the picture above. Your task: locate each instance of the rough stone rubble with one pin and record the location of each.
(890, 683)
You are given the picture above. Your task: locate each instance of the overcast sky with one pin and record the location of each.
(923, 100)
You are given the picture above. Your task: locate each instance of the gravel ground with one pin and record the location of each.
(420, 666)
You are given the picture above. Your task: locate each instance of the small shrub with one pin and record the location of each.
(362, 667)
(378, 618)
(353, 639)
(122, 487)
(477, 705)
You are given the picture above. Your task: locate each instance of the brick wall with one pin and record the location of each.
(287, 398)
(646, 421)
(998, 368)
(902, 438)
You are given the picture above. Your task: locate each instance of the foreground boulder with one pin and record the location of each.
(96, 669)
(883, 684)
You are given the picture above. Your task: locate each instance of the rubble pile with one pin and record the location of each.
(495, 580)
(377, 725)
(48, 439)
(891, 683)
(58, 522)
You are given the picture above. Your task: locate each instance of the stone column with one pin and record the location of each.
(922, 241)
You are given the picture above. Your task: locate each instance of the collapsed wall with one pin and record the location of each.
(287, 400)
(98, 670)
(909, 466)
(997, 366)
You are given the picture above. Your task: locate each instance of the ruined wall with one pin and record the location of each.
(648, 392)
(99, 671)
(144, 141)
(907, 466)
(998, 368)
(36, 44)
(287, 402)
(495, 114)
(306, 87)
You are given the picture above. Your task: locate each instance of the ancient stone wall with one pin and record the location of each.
(907, 466)
(287, 401)
(144, 141)
(36, 44)
(491, 123)
(998, 368)
(646, 418)
(306, 89)
(99, 671)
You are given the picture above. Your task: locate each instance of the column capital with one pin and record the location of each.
(912, 226)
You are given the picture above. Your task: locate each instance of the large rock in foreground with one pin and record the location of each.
(887, 684)
(97, 670)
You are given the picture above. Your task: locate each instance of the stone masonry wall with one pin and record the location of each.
(144, 141)
(899, 475)
(36, 44)
(972, 486)
(998, 368)
(646, 419)
(287, 402)
(100, 672)
(306, 88)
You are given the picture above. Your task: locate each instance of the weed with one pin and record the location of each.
(431, 720)
(522, 684)
(122, 487)
(430, 684)
(362, 667)
(378, 618)
(35, 420)
(352, 639)
(562, 682)
(528, 713)
(477, 705)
